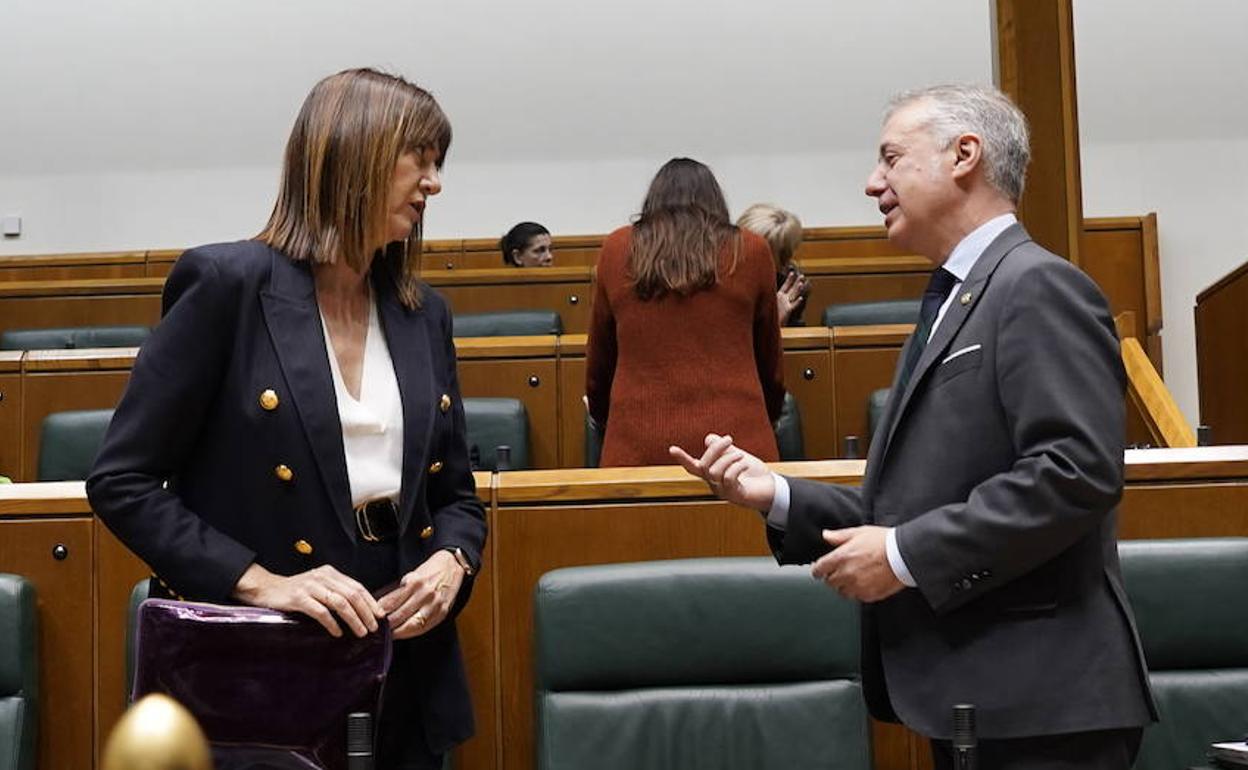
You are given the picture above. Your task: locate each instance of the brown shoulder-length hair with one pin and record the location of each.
(680, 232)
(339, 162)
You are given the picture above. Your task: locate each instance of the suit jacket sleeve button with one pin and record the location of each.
(303, 547)
(444, 403)
(269, 400)
(435, 466)
(284, 473)
(426, 533)
(966, 583)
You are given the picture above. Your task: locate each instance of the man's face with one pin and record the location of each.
(912, 182)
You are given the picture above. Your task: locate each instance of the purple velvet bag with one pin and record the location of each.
(270, 689)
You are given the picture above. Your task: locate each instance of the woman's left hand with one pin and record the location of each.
(424, 596)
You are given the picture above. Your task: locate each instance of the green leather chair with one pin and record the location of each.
(69, 442)
(893, 311)
(699, 664)
(877, 402)
(788, 428)
(140, 592)
(19, 674)
(507, 323)
(74, 337)
(1188, 597)
(495, 422)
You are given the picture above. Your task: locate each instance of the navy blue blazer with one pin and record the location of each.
(240, 319)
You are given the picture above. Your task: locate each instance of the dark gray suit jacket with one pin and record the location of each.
(1000, 465)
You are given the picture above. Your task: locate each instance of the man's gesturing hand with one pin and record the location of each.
(732, 473)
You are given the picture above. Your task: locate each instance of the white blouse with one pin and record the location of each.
(372, 427)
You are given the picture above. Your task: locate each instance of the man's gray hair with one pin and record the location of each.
(983, 111)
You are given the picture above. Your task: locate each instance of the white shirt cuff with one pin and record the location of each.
(895, 561)
(778, 514)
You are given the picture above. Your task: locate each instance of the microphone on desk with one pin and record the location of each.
(965, 745)
(360, 741)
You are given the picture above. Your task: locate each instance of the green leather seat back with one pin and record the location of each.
(507, 323)
(141, 591)
(74, 337)
(593, 442)
(788, 429)
(704, 663)
(495, 422)
(892, 311)
(68, 443)
(877, 402)
(1188, 597)
(19, 674)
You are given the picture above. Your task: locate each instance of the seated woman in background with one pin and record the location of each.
(783, 232)
(684, 337)
(527, 245)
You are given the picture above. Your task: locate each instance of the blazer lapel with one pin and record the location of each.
(966, 298)
(409, 343)
(294, 325)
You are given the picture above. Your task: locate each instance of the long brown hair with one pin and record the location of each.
(680, 232)
(340, 158)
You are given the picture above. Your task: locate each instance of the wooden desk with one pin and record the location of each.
(60, 267)
(540, 520)
(11, 413)
(79, 302)
(564, 289)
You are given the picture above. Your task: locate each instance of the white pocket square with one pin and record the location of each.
(962, 352)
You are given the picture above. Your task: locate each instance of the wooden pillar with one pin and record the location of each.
(1035, 65)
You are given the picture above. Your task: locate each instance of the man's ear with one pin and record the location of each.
(968, 151)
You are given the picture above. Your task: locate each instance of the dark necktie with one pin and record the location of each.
(933, 297)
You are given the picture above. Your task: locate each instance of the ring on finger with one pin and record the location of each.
(445, 584)
(419, 618)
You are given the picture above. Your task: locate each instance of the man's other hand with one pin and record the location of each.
(857, 567)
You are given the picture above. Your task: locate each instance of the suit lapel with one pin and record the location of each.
(409, 342)
(294, 325)
(965, 300)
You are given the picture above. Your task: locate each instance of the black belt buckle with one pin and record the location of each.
(377, 520)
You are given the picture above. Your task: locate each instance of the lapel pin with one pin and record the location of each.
(965, 299)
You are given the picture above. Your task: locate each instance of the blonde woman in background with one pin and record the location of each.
(783, 232)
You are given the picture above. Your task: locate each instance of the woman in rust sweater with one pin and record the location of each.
(685, 338)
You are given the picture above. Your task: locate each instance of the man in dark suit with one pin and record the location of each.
(982, 541)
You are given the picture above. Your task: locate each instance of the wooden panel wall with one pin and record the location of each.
(1222, 356)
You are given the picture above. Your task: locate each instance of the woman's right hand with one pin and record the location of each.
(319, 593)
(790, 295)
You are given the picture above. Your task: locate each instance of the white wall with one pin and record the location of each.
(160, 123)
(1164, 128)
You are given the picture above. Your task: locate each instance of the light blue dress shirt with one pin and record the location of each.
(960, 261)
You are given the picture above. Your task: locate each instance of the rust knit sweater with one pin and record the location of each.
(670, 370)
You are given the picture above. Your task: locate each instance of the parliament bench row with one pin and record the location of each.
(539, 521)
(844, 264)
(830, 372)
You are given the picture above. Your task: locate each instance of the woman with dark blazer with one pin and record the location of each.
(684, 335)
(300, 399)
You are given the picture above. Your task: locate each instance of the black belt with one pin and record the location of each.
(377, 520)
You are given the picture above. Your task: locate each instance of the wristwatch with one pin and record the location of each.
(462, 560)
